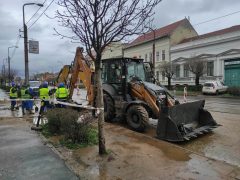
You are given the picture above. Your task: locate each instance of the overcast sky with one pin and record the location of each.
(54, 52)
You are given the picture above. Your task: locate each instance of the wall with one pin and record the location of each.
(182, 32)
(212, 45)
(114, 50)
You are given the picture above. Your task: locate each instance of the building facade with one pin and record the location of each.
(155, 45)
(219, 49)
(114, 50)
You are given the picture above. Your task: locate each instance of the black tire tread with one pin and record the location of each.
(143, 114)
(108, 116)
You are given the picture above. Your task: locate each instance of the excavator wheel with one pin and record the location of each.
(109, 110)
(137, 118)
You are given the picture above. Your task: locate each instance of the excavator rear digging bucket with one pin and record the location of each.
(184, 121)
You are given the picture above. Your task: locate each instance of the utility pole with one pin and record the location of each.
(3, 72)
(154, 39)
(26, 42)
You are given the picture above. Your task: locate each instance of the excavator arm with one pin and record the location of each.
(141, 92)
(63, 74)
(81, 69)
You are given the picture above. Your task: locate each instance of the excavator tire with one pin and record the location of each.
(137, 118)
(109, 110)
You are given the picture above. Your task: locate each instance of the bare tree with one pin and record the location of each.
(168, 69)
(97, 23)
(13, 74)
(197, 67)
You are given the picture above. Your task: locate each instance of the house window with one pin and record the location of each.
(146, 58)
(163, 55)
(186, 72)
(178, 71)
(157, 54)
(210, 68)
(157, 75)
(150, 57)
(163, 76)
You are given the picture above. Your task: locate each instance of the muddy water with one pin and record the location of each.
(137, 156)
(223, 144)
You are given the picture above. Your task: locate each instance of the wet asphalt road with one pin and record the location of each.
(223, 143)
(217, 104)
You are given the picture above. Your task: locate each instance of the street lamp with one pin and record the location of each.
(26, 41)
(9, 64)
(153, 48)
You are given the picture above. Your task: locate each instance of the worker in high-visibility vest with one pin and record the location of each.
(61, 94)
(26, 94)
(44, 95)
(13, 95)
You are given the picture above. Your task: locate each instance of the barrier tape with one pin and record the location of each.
(7, 99)
(56, 102)
(77, 105)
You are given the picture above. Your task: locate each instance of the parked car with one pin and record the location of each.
(214, 87)
(35, 86)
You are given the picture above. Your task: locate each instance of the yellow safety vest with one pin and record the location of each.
(62, 93)
(13, 94)
(44, 93)
(24, 95)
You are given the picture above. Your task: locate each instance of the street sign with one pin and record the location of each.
(33, 47)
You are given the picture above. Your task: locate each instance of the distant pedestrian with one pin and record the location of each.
(185, 93)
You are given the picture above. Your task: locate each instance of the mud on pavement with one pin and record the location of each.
(137, 156)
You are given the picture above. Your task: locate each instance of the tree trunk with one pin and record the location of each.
(197, 80)
(169, 83)
(99, 104)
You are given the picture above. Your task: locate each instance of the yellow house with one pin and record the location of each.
(155, 46)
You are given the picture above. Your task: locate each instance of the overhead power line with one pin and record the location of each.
(35, 12)
(41, 14)
(216, 18)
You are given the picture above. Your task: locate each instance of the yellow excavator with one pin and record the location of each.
(131, 94)
(63, 74)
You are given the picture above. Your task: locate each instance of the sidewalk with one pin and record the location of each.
(24, 156)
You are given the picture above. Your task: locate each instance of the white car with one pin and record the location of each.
(35, 86)
(214, 87)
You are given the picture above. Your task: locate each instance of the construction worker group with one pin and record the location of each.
(27, 95)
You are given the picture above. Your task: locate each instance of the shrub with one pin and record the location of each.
(235, 91)
(77, 129)
(54, 117)
(74, 128)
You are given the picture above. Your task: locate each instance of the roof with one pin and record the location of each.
(161, 32)
(214, 33)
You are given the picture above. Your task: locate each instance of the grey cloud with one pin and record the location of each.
(54, 49)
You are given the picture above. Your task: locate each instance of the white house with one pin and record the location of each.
(221, 50)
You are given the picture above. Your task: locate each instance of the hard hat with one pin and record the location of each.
(61, 85)
(13, 83)
(45, 84)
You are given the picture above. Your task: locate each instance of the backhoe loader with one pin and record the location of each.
(130, 94)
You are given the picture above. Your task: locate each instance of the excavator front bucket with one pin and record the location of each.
(184, 121)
